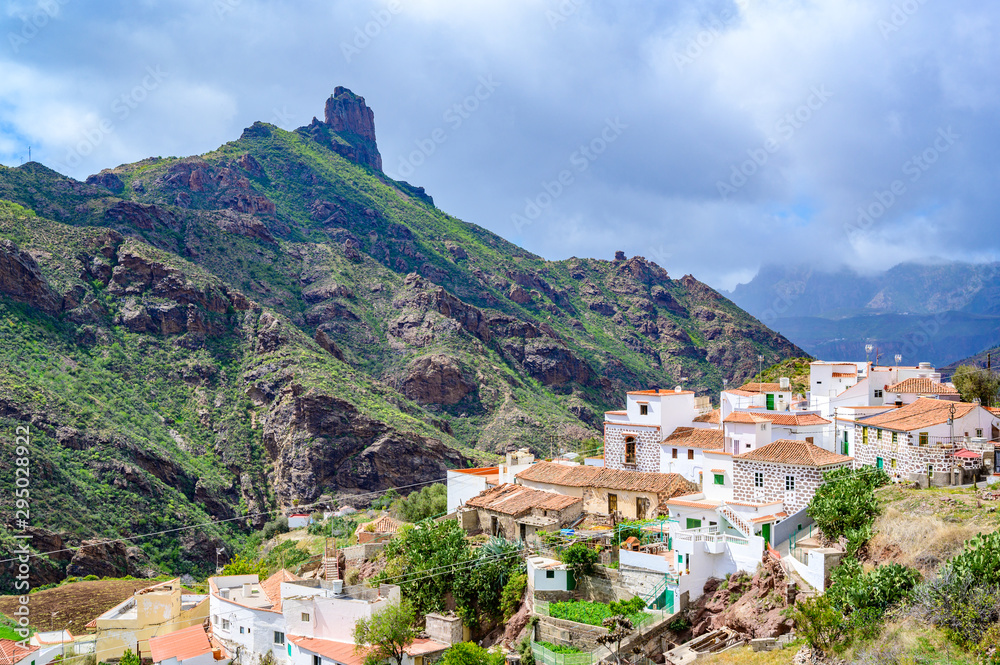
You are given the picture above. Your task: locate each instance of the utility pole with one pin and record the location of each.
(29, 153)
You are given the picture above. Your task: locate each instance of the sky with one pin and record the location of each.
(710, 137)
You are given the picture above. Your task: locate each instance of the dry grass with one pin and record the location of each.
(747, 656)
(922, 528)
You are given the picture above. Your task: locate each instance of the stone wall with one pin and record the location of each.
(639, 581)
(560, 631)
(365, 552)
(807, 479)
(647, 446)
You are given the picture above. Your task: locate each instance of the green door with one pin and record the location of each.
(664, 601)
(693, 524)
(770, 402)
(765, 531)
(878, 463)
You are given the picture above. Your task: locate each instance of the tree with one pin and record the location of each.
(977, 383)
(428, 502)
(423, 560)
(385, 634)
(845, 504)
(581, 558)
(244, 565)
(619, 624)
(470, 653)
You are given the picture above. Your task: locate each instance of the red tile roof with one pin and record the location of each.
(697, 437)
(182, 644)
(791, 451)
(710, 417)
(667, 484)
(695, 503)
(922, 413)
(11, 652)
(764, 388)
(272, 587)
(422, 646)
(784, 419)
(341, 652)
(741, 393)
(518, 500)
(769, 518)
(967, 454)
(922, 386)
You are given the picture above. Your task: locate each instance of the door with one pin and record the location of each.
(765, 532)
(612, 504)
(770, 402)
(879, 463)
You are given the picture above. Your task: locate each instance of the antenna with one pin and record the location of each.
(29, 153)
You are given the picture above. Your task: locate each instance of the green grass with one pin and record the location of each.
(582, 611)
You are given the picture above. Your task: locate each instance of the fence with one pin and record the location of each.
(544, 656)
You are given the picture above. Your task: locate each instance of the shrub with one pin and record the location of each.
(513, 591)
(845, 504)
(559, 648)
(470, 653)
(819, 622)
(275, 527)
(581, 558)
(430, 501)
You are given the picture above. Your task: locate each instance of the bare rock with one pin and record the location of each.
(436, 379)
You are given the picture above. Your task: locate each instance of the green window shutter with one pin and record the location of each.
(720, 479)
(693, 523)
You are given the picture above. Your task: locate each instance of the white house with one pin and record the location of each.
(747, 430)
(909, 390)
(834, 385)
(246, 615)
(927, 439)
(632, 437)
(299, 520)
(683, 452)
(546, 574)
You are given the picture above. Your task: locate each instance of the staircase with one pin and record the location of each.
(331, 566)
(738, 522)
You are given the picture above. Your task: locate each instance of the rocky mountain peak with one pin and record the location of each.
(347, 112)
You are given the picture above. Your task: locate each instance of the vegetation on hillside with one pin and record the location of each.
(795, 369)
(977, 383)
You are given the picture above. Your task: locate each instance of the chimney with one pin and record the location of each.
(247, 589)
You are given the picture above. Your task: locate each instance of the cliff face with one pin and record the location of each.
(277, 320)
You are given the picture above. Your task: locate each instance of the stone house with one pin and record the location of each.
(632, 436)
(683, 452)
(927, 440)
(786, 471)
(378, 530)
(516, 512)
(623, 493)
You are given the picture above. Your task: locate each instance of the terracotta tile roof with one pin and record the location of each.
(182, 644)
(759, 504)
(769, 518)
(697, 437)
(272, 587)
(693, 501)
(518, 500)
(922, 413)
(667, 484)
(922, 386)
(784, 419)
(763, 387)
(12, 652)
(995, 410)
(384, 524)
(741, 393)
(710, 417)
(341, 652)
(844, 375)
(718, 470)
(967, 454)
(422, 646)
(617, 413)
(790, 451)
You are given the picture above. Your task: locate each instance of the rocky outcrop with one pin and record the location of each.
(22, 279)
(323, 444)
(751, 606)
(347, 115)
(110, 558)
(138, 216)
(436, 379)
(243, 224)
(197, 184)
(109, 180)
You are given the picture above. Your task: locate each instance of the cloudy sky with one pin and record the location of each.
(708, 136)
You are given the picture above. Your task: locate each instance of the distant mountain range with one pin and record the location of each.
(934, 312)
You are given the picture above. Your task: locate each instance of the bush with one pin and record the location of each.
(581, 558)
(559, 648)
(470, 653)
(845, 504)
(595, 613)
(275, 527)
(430, 501)
(513, 591)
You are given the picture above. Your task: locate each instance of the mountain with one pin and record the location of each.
(926, 312)
(212, 338)
(986, 358)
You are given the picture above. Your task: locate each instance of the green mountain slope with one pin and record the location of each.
(277, 321)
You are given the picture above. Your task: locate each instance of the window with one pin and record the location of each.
(241, 630)
(892, 463)
(979, 433)
(317, 660)
(720, 479)
(758, 478)
(878, 393)
(279, 637)
(225, 624)
(674, 454)
(930, 470)
(763, 426)
(749, 446)
(864, 435)
(809, 439)
(630, 450)
(895, 438)
(923, 438)
(643, 409)
(789, 483)
(845, 436)
(550, 574)
(305, 616)
(690, 454)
